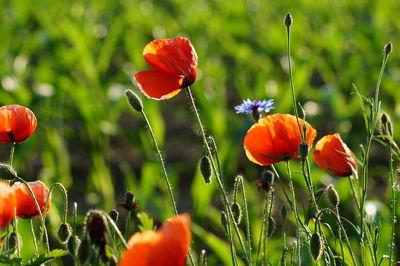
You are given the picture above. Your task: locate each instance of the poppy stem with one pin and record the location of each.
(372, 127)
(303, 137)
(12, 151)
(34, 238)
(164, 170)
(160, 158)
(296, 215)
(392, 205)
(219, 179)
(246, 214)
(65, 196)
(267, 226)
(115, 227)
(263, 222)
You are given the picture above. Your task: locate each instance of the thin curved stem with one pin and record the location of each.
(262, 226)
(218, 177)
(34, 238)
(246, 213)
(393, 206)
(160, 158)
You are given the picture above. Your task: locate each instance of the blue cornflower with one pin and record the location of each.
(249, 107)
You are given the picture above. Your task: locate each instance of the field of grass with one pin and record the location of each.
(71, 61)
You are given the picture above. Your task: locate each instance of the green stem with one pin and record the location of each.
(34, 238)
(111, 221)
(246, 214)
(218, 177)
(127, 221)
(160, 158)
(267, 225)
(292, 85)
(298, 257)
(263, 222)
(393, 206)
(12, 151)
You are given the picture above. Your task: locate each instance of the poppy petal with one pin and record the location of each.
(175, 56)
(159, 85)
(168, 246)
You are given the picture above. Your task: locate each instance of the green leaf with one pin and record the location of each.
(54, 254)
(5, 258)
(146, 221)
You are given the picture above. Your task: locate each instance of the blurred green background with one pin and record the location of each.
(70, 62)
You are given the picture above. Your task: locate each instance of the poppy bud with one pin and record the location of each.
(205, 169)
(388, 48)
(237, 212)
(224, 220)
(386, 125)
(26, 206)
(84, 251)
(283, 212)
(96, 228)
(73, 244)
(14, 240)
(212, 144)
(134, 100)
(303, 150)
(288, 20)
(64, 232)
(316, 246)
(129, 201)
(266, 181)
(203, 258)
(271, 226)
(114, 215)
(7, 172)
(332, 196)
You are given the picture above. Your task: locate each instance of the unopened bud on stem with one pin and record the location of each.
(388, 48)
(288, 20)
(134, 100)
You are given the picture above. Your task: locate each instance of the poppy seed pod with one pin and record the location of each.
(7, 204)
(174, 64)
(7, 172)
(17, 123)
(26, 206)
(169, 245)
(303, 150)
(266, 181)
(134, 101)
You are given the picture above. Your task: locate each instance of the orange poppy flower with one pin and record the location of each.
(7, 204)
(327, 155)
(174, 64)
(17, 123)
(26, 207)
(275, 135)
(169, 246)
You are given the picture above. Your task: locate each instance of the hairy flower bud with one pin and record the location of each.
(134, 100)
(114, 215)
(237, 212)
(73, 245)
(205, 169)
(64, 232)
(7, 172)
(224, 220)
(316, 246)
(388, 48)
(96, 229)
(332, 196)
(386, 125)
(288, 20)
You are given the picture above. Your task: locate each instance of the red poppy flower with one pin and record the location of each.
(169, 246)
(17, 123)
(328, 156)
(26, 207)
(278, 136)
(174, 64)
(7, 204)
